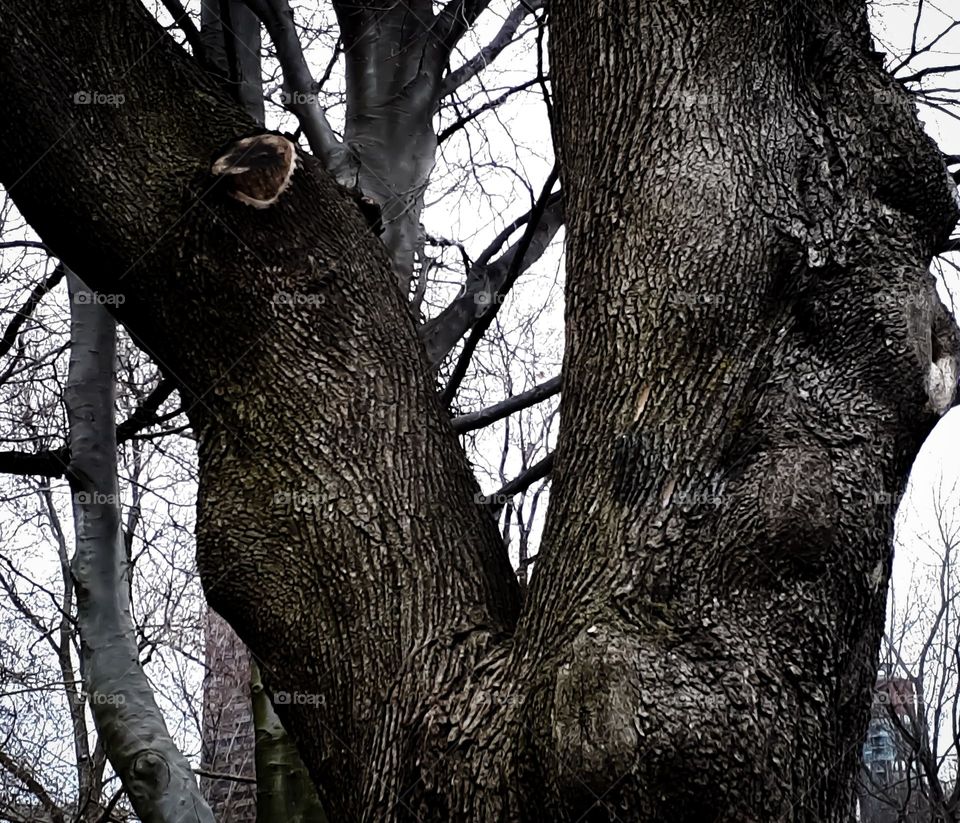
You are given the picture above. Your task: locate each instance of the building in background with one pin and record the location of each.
(890, 789)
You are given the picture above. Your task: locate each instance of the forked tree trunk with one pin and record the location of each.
(751, 211)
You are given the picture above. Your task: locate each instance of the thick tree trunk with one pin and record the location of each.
(231, 33)
(752, 208)
(393, 63)
(748, 329)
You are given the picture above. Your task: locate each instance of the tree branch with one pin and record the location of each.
(488, 283)
(500, 41)
(453, 128)
(236, 778)
(156, 775)
(181, 17)
(517, 256)
(300, 89)
(920, 74)
(26, 244)
(55, 462)
(26, 777)
(522, 482)
(38, 293)
(477, 420)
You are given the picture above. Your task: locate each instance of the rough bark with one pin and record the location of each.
(158, 779)
(232, 33)
(409, 583)
(751, 210)
(750, 228)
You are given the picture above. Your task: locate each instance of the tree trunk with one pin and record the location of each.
(156, 776)
(751, 210)
(284, 788)
(231, 34)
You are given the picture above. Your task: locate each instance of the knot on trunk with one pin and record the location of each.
(684, 712)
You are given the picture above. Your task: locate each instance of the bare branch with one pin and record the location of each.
(491, 51)
(55, 462)
(452, 129)
(921, 73)
(477, 420)
(488, 283)
(299, 87)
(517, 257)
(184, 22)
(10, 335)
(25, 244)
(521, 483)
(236, 778)
(26, 777)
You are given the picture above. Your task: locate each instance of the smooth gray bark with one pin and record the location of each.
(231, 36)
(158, 779)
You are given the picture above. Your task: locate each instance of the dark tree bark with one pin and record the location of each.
(751, 208)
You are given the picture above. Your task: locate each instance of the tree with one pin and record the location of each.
(672, 658)
(919, 656)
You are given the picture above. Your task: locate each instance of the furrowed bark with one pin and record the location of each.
(751, 209)
(750, 323)
(293, 350)
(158, 779)
(228, 739)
